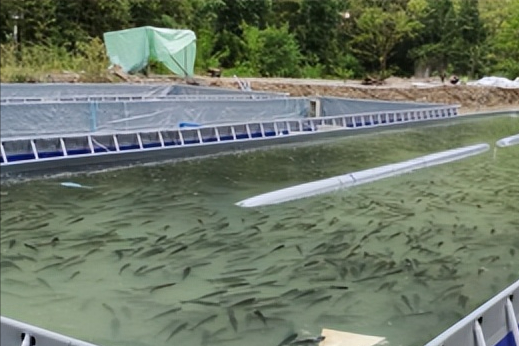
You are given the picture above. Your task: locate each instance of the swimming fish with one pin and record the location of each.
(75, 185)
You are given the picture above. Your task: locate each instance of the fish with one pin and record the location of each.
(47, 267)
(186, 272)
(211, 294)
(126, 311)
(204, 321)
(124, 267)
(247, 301)
(152, 269)
(288, 339)
(153, 289)
(79, 219)
(74, 185)
(260, 316)
(115, 325)
(108, 308)
(74, 275)
(170, 311)
(182, 248)
(278, 247)
(200, 302)
(305, 293)
(121, 252)
(232, 319)
(91, 252)
(44, 283)
(320, 300)
(152, 252)
(177, 330)
(137, 250)
(462, 300)
(32, 247)
(141, 268)
(308, 341)
(406, 301)
(161, 238)
(9, 264)
(70, 264)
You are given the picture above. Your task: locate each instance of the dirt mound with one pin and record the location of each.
(471, 98)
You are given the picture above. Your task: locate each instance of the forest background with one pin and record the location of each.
(341, 39)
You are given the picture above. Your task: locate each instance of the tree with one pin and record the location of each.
(377, 29)
(35, 19)
(505, 43)
(436, 45)
(472, 37)
(317, 31)
(231, 14)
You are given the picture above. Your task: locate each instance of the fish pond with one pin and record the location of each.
(160, 255)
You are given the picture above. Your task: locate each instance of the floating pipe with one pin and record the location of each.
(361, 177)
(508, 141)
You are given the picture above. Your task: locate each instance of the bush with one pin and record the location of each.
(272, 52)
(34, 62)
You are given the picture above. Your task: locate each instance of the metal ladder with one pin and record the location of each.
(495, 322)
(511, 321)
(43, 147)
(130, 98)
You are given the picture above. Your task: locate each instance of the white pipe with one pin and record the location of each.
(508, 141)
(362, 177)
(512, 320)
(480, 338)
(26, 340)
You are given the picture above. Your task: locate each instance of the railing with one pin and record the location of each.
(130, 98)
(492, 324)
(14, 333)
(43, 147)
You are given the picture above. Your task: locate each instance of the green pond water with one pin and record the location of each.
(403, 258)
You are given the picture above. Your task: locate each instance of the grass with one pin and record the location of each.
(40, 63)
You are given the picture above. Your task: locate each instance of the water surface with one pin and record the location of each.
(161, 255)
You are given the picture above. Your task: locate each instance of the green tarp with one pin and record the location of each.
(132, 49)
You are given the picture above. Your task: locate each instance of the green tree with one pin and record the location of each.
(35, 20)
(472, 37)
(230, 15)
(273, 52)
(378, 27)
(505, 43)
(436, 43)
(317, 32)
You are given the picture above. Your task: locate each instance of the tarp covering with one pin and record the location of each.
(31, 120)
(57, 90)
(497, 82)
(132, 49)
(331, 106)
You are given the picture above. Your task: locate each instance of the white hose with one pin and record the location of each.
(508, 141)
(362, 177)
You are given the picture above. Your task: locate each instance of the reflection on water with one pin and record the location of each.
(160, 255)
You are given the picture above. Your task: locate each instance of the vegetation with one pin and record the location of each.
(287, 38)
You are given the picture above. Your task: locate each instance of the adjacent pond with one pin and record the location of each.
(160, 255)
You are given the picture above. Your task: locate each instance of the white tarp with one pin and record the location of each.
(496, 82)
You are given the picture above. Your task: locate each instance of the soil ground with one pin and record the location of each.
(472, 99)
